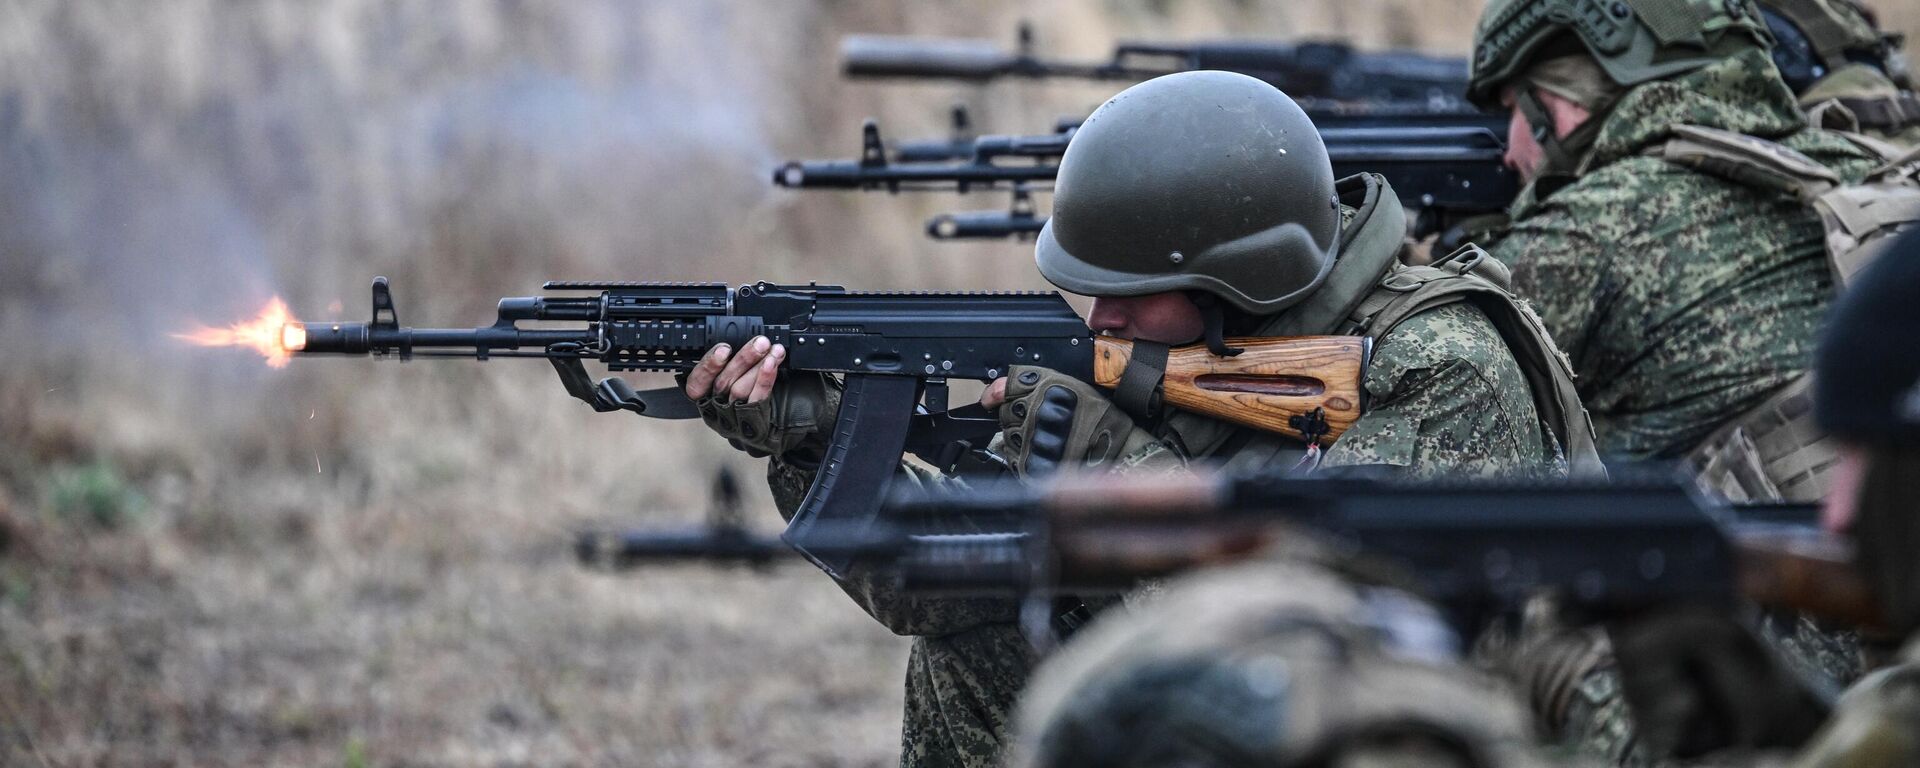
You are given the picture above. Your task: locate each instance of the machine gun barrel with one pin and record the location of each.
(854, 174)
(631, 549)
(984, 225)
(1442, 173)
(1313, 69)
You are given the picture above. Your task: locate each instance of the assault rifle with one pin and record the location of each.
(895, 352)
(961, 143)
(1444, 173)
(1474, 548)
(725, 538)
(1317, 69)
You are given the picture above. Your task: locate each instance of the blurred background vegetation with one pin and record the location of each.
(207, 561)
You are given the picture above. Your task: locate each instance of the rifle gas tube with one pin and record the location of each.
(896, 352)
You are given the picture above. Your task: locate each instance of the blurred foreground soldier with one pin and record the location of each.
(1670, 238)
(1850, 75)
(1195, 206)
(1868, 397)
(1271, 665)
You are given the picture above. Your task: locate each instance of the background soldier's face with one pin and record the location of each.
(1168, 318)
(1843, 490)
(1524, 153)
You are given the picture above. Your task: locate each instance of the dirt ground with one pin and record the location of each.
(207, 561)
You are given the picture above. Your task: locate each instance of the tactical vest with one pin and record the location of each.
(1470, 275)
(1378, 292)
(1775, 451)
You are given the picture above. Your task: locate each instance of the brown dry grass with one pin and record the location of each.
(203, 561)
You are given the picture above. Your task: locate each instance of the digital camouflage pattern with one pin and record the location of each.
(1683, 299)
(968, 662)
(1446, 398)
(1445, 394)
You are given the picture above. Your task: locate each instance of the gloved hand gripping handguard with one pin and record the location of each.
(1052, 420)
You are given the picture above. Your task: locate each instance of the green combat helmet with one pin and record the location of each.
(1634, 41)
(1280, 663)
(1816, 38)
(1210, 182)
(1848, 73)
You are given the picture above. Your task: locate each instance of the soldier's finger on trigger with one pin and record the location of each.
(995, 394)
(743, 362)
(700, 379)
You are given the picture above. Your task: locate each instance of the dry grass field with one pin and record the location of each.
(206, 561)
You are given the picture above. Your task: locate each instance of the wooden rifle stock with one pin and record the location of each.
(1112, 532)
(1810, 572)
(1806, 572)
(1274, 384)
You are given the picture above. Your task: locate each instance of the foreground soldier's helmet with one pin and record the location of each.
(1867, 369)
(1199, 181)
(1269, 665)
(1635, 41)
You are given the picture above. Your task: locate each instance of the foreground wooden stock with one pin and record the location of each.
(1268, 384)
(1809, 572)
(1111, 532)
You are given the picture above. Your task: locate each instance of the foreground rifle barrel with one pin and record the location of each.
(1471, 547)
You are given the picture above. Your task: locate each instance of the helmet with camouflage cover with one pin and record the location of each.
(1269, 664)
(1635, 41)
(1205, 181)
(1813, 38)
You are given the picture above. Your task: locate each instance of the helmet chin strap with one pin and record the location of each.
(1215, 319)
(1561, 156)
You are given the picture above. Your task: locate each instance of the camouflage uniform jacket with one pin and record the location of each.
(1446, 396)
(1682, 298)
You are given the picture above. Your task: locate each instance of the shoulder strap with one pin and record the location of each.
(1747, 160)
(1858, 218)
(1469, 274)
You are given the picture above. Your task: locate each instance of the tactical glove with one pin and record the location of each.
(1051, 420)
(1698, 681)
(788, 424)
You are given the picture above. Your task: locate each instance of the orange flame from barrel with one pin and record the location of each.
(273, 333)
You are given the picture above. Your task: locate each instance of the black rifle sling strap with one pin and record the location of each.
(1138, 392)
(869, 436)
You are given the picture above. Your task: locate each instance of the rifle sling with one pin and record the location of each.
(1139, 390)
